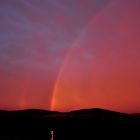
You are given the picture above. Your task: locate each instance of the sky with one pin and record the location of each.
(70, 54)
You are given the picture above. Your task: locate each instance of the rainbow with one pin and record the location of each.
(72, 49)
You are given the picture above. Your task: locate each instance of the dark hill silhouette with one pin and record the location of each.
(98, 111)
(92, 111)
(36, 112)
(34, 124)
(30, 111)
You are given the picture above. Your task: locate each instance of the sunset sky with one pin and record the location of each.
(70, 54)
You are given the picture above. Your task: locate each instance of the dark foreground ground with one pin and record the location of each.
(88, 124)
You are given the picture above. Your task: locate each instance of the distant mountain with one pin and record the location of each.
(36, 112)
(29, 112)
(92, 111)
(97, 111)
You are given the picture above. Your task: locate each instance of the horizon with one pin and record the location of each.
(67, 111)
